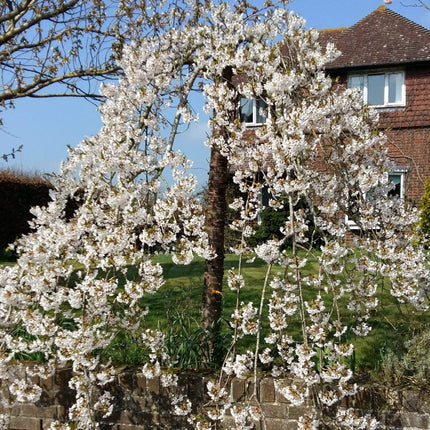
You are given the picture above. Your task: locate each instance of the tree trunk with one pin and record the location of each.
(215, 225)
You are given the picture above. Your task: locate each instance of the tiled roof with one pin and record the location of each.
(381, 38)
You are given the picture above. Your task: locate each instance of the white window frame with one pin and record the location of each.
(386, 74)
(254, 122)
(400, 172)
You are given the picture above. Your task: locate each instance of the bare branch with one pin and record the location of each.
(421, 3)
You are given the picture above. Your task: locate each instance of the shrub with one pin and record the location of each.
(18, 193)
(425, 211)
(272, 220)
(413, 365)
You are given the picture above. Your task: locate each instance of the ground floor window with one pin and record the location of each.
(397, 179)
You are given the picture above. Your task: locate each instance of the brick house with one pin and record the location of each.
(388, 57)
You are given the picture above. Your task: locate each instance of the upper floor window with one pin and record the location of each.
(381, 89)
(253, 111)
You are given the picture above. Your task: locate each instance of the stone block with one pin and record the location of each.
(126, 417)
(414, 420)
(295, 412)
(238, 389)
(280, 424)
(274, 410)
(279, 398)
(227, 424)
(46, 424)
(25, 423)
(31, 410)
(140, 384)
(267, 390)
(125, 380)
(251, 393)
(153, 385)
(411, 400)
(47, 384)
(128, 427)
(62, 378)
(391, 419)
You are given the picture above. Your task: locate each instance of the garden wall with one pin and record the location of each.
(141, 404)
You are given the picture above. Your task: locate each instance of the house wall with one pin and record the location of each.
(410, 148)
(408, 129)
(416, 114)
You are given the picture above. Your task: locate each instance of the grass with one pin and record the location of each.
(391, 324)
(175, 309)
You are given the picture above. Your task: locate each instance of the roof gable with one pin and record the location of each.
(381, 38)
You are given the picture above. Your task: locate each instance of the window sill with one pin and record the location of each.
(390, 108)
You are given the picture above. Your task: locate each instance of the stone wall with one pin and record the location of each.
(141, 404)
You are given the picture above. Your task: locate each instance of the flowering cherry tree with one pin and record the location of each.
(73, 289)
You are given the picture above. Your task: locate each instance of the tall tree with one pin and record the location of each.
(54, 48)
(51, 48)
(319, 144)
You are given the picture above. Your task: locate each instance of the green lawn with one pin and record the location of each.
(175, 309)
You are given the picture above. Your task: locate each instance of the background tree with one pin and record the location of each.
(421, 3)
(53, 48)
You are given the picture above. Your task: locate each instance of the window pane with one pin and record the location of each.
(246, 109)
(356, 82)
(261, 111)
(375, 89)
(396, 179)
(395, 81)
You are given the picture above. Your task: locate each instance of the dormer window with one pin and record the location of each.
(380, 89)
(253, 112)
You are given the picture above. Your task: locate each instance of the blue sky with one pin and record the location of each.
(46, 126)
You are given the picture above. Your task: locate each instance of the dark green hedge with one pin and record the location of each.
(18, 193)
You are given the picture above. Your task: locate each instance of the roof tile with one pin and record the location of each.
(381, 38)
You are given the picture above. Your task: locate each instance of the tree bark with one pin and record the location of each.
(215, 225)
(216, 217)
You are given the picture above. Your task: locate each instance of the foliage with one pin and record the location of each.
(412, 366)
(19, 192)
(188, 344)
(425, 211)
(319, 144)
(7, 254)
(271, 223)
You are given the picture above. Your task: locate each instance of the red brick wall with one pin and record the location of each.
(410, 148)
(408, 130)
(417, 110)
